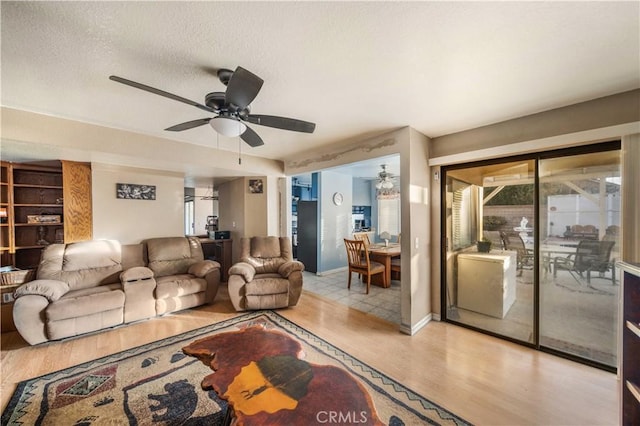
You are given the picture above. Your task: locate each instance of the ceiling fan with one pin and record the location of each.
(385, 179)
(231, 107)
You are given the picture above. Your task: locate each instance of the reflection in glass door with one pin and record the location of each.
(549, 278)
(580, 231)
(491, 288)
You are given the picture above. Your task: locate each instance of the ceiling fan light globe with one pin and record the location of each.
(387, 185)
(228, 126)
(378, 185)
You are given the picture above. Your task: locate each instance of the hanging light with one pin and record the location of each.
(384, 179)
(385, 186)
(228, 126)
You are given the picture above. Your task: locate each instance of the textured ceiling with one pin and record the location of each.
(353, 68)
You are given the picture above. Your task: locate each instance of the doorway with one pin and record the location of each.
(530, 247)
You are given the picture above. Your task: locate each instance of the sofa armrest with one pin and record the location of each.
(203, 267)
(289, 267)
(137, 273)
(52, 290)
(243, 269)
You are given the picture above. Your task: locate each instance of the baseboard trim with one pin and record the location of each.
(407, 329)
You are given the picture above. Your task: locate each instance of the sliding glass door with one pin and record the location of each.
(547, 279)
(491, 288)
(580, 227)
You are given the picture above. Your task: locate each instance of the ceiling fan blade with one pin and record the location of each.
(188, 125)
(160, 92)
(282, 123)
(251, 138)
(243, 88)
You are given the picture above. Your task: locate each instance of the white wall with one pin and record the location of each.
(131, 221)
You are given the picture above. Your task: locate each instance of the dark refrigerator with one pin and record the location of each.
(308, 234)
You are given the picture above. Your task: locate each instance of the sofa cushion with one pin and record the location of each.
(265, 254)
(85, 302)
(173, 255)
(132, 256)
(264, 247)
(81, 265)
(179, 285)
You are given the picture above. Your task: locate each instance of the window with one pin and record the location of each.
(389, 216)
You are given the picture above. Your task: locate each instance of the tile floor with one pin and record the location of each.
(381, 302)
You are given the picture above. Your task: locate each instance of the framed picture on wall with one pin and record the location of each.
(256, 186)
(132, 191)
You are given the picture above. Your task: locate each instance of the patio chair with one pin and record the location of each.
(359, 262)
(496, 238)
(524, 257)
(590, 256)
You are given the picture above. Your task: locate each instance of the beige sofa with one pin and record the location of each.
(266, 277)
(89, 286)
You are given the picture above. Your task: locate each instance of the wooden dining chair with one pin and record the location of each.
(359, 262)
(363, 236)
(396, 264)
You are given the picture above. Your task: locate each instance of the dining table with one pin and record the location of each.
(382, 253)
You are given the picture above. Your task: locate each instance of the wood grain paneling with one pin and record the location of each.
(78, 213)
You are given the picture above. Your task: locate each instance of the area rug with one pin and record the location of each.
(158, 383)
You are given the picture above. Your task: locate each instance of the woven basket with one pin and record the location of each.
(17, 277)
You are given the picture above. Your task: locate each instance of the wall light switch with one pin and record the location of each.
(416, 245)
(233, 224)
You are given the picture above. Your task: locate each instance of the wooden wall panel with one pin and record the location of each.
(78, 213)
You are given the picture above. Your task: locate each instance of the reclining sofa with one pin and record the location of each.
(266, 277)
(89, 286)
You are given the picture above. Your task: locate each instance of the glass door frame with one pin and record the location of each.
(536, 157)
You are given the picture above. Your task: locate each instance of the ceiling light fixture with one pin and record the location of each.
(228, 126)
(384, 179)
(385, 186)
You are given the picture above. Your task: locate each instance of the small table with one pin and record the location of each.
(220, 251)
(383, 254)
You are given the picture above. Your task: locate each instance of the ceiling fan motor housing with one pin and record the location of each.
(215, 100)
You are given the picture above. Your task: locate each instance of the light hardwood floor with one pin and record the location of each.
(482, 379)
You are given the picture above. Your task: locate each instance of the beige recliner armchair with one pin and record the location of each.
(266, 277)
